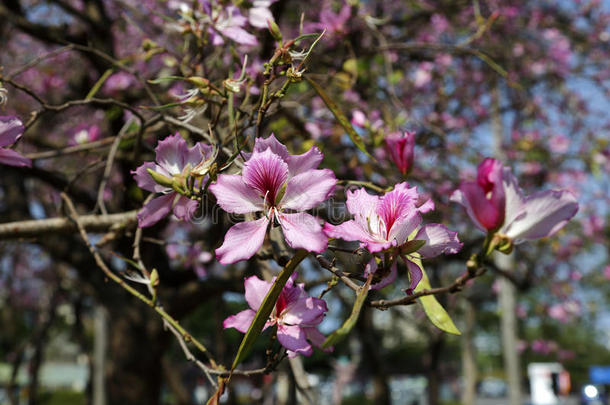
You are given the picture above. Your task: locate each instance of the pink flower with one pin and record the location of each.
(281, 186)
(295, 314)
(400, 147)
(495, 202)
(484, 199)
(119, 81)
(393, 223)
(259, 14)
(84, 134)
(174, 162)
(11, 129)
(228, 21)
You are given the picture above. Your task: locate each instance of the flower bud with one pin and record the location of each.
(400, 148)
(160, 179)
(274, 30)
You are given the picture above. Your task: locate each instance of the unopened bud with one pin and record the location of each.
(201, 82)
(274, 30)
(160, 179)
(154, 278)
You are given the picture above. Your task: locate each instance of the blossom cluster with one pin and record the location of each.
(276, 189)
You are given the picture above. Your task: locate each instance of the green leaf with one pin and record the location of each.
(262, 315)
(433, 309)
(339, 116)
(96, 87)
(350, 322)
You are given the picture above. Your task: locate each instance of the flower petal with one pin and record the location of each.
(487, 214)
(294, 339)
(256, 289)
(266, 173)
(404, 226)
(317, 338)
(306, 190)
(542, 214)
(415, 275)
(155, 210)
(171, 154)
(389, 278)
(302, 231)
(11, 129)
(242, 241)
(11, 158)
(271, 142)
(459, 197)
(348, 230)
(361, 205)
(240, 321)
(196, 154)
(145, 180)
(258, 16)
(309, 160)
(514, 197)
(439, 239)
(305, 311)
(240, 36)
(185, 208)
(233, 195)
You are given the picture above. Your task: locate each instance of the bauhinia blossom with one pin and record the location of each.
(400, 148)
(280, 186)
(484, 199)
(174, 163)
(295, 314)
(496, 203)
(11, 129)
(392, 223)
(228, 21)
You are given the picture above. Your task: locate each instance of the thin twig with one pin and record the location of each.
(328, 265)
(108, 169)
(102, 265)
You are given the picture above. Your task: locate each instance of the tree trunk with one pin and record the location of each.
(100, 343)
(435, 350)
(137, 342)
(469, 365)
(371, 355)
(509, 330)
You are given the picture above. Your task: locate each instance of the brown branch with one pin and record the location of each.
(49, 154)
(328, 265)
(41, 227)
(457, 285)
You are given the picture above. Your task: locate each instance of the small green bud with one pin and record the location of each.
(201, 82)
(274, 30)
(160, 179)
(154, 278)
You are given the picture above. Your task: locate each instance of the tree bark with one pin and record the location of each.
(100, 343)
(509, 330)
(469, 364)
